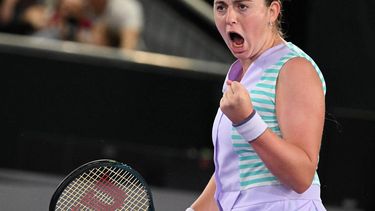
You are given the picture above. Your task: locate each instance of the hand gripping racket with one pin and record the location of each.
(102, 185)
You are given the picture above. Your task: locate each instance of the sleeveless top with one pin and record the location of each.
(237, 165)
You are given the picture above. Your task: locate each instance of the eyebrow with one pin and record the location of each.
(237, 1)
(219, 2)
(233, 1)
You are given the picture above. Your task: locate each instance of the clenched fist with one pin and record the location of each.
(236, 103)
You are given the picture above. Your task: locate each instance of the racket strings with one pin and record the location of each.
(73, 192)
(101, 194)
(95, 189)
(139, 196)
(129, 180)
(76, 190)
(139, 193)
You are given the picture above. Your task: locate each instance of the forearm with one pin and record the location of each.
(288, 162)
(7, 10)
(129, 38)
(206, 201)
(9, 4)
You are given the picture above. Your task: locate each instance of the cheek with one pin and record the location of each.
(218, 21)
(254, 30)
(220, 26)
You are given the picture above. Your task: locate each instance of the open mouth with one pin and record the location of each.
(236, 38)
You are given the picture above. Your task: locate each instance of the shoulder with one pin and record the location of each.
(298, 66)
(129, 11)
(295, 63)
(299, 73)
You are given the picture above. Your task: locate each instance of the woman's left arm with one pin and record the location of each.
(300, 110)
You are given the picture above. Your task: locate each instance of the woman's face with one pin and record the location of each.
(244, 26)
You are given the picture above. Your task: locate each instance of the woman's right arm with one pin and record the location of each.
(206, 201)
(7, 10)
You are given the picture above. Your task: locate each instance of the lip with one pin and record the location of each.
(237, 50)
(235, 47)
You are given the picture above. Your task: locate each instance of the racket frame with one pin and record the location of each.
(96, 164)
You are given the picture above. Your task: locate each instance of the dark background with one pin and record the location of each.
(59, 111)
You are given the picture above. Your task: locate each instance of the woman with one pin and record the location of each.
(268, 130)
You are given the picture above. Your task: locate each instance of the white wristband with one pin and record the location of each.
(189, 209)
(252, 129)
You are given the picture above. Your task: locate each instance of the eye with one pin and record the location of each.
(220, 8)
(242, 7)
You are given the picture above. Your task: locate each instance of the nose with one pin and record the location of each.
(231, 16)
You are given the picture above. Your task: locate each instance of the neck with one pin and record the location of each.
(275, 40)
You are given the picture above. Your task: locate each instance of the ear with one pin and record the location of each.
(274, 10)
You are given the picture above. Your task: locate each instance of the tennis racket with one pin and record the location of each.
(102, 185)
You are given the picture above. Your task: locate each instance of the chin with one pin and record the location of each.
(241, 55)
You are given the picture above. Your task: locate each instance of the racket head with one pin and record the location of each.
(102, 185)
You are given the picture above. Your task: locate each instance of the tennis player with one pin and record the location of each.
(268, 130)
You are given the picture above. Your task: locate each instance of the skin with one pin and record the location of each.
(34, 14)
(129, 38)
(250, 19)
(300, 104)
(7, 10)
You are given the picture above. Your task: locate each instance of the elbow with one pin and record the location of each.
(302, 186)
(303, 181)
